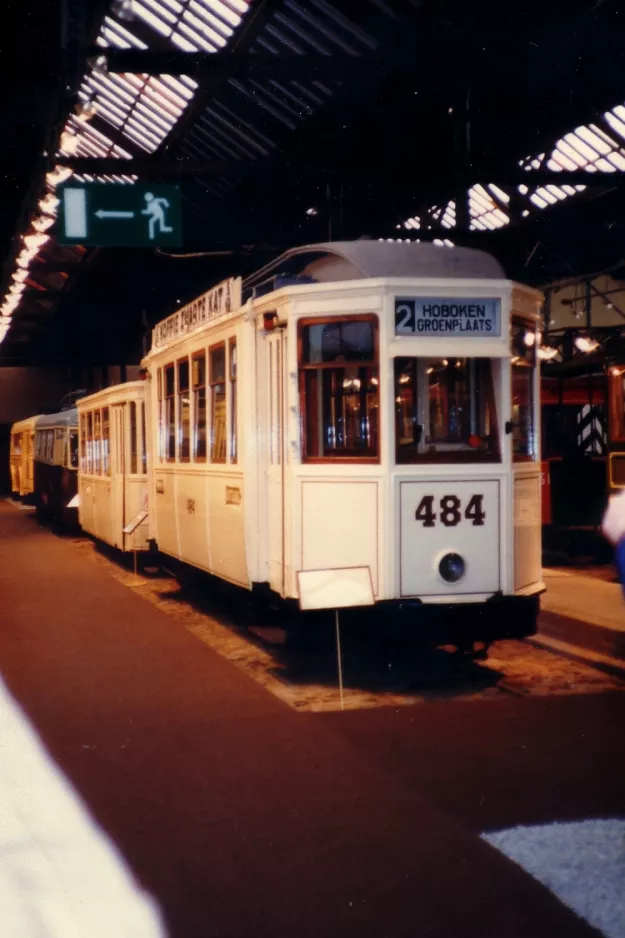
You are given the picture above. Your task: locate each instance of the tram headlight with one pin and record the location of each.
(452, 567)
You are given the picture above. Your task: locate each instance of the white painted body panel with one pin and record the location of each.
(193, 522)
(200, 512)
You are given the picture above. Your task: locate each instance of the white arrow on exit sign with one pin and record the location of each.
(102, 213)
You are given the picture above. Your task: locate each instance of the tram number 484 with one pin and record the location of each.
(450, 511)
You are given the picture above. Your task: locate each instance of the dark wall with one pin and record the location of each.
(26, 392)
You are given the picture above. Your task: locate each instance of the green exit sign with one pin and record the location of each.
(109, 214)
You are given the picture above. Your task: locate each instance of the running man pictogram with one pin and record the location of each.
(155, 210)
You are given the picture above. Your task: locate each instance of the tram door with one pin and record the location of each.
(276, 453)
(118, 474)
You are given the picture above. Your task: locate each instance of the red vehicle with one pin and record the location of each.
(583, 450)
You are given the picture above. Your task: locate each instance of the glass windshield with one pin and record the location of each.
(445, 410)
(339, 389)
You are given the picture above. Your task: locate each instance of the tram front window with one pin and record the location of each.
(445, 410)
(339, 388)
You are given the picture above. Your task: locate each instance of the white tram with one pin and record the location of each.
(112, 474)
(21, 457)
(358, 419)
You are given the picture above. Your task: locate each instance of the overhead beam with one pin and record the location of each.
(216, 66)
(153, 167)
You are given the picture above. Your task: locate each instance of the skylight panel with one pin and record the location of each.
(161, 10)
(151, 19)
(578, 144)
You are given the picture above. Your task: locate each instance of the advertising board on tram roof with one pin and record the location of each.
(216, 302)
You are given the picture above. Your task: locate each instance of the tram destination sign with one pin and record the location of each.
(222, 299)
(434, 316)
(109, 214)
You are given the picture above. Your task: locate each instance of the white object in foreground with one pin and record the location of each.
(582, 863)
(60, 876)
(613, 524)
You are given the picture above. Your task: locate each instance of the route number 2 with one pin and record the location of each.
(450, 508)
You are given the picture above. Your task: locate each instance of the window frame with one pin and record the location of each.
(183, 360)
(531, 366)
(304, 367)
(160, 413)
(166, 399)
(144, 441)
(133, 447)
(105, 451)
(73, 435)
(450, 456)
(232, 396)
(199, 355)
(214, 384)
(97, 442)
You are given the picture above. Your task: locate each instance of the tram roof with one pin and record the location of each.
(354, 260)
(64, 418)
(125, 390)
(28, 423)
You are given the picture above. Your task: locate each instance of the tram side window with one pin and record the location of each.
(339, 388)
(217, 377)
(90, 442)
(49, 445)
(233, 399)
(58, 452)
(198, 374)
(73, 449)
(161, 414)
(144, 441)
(170, 413)
(184, 411)
(523, 363)
(106, 442)
(83, 442)
(132, 419)
(97, 438)
(444, 410)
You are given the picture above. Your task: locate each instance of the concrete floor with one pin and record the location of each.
(244, 817)
(593, 600)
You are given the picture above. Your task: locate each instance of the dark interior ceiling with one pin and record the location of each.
(416, 101)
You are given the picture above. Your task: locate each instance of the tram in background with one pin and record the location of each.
(356, 423)
(583, 447)
(56, 466)
(21, 457)
(112, 486)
